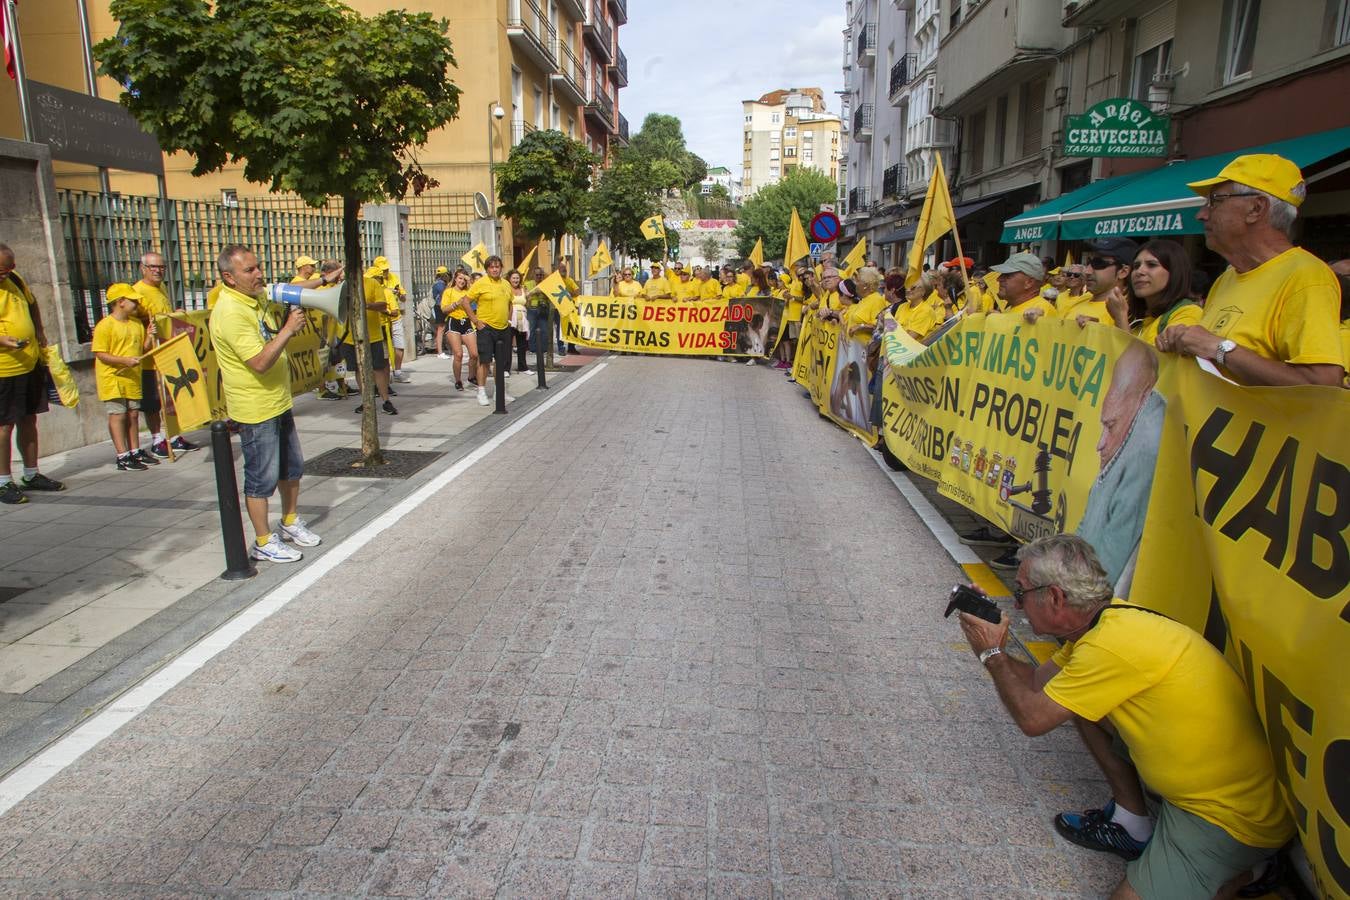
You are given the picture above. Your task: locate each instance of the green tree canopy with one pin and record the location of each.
(313, 98)
(662, 138)
(542, 186)
(626, 194)
(767, 213)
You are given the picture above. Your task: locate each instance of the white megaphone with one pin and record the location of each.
(329, 302)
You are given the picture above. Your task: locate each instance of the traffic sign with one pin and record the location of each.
(818, 250)
(825, 227)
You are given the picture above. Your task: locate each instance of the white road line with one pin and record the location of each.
(941, 529)
(46, 764)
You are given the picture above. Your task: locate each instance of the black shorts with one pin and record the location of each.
(437, 317)
(149, 391)
(459, 326)
(23, 395)
(378, 353)
(495, 344)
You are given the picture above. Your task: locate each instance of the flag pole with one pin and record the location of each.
(11, 16)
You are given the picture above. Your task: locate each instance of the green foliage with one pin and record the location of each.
(710, 248)
(312, 98)
(661, 139)
(624, 196)
(542, 186)
(767, 213)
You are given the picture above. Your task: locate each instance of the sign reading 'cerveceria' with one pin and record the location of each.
(1119, 127)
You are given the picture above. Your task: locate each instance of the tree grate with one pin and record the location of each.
(341, 462)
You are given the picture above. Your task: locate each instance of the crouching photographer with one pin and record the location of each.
(1157, 706)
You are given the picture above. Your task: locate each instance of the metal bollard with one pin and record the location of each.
(540, 346)
(237, 564)
(499, 378)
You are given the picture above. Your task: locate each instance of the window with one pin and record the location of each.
(747, 118)
(773, 153)
(1000, 129)
(538, 108)
(773, 138)
(776, 118)
(571, 127)
(790, 131)
(1150, 65)
(790, 152)
(808, 136)
(554, 117)
(975, 141)
(1241, 38)
(807, 156)
(1033, 116)
(517, 96)
(773, 171)
(1342, 35)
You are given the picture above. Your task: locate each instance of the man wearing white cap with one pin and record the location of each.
(1020, 278)
(1272, 317)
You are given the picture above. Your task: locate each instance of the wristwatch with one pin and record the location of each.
(986, 655)
(1225, 347)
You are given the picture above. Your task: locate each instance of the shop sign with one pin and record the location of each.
(1119, 127)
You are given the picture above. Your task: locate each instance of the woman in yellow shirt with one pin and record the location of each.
(458, 330)
(1159, 292)
(917, 316)
(626, 287)
(860, 319)
(520, 329)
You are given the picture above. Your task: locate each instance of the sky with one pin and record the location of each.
(698, 59)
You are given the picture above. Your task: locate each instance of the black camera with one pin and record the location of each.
(967, 600)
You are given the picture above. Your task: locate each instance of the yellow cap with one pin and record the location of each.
(302, 261)
(1267, 172)
(375, 272)
(442, 270)
(381, 262)
(121, 291)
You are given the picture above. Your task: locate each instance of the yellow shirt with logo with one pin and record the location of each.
(709, 290)
(921, 319)
(16, 321)
(118, 339)
(493, 296)
(238, 333)
(627, 289)
(733, 291)
(1285, 309)
(1184, 714)
(1185, 313)
(685, 290)
(449, 303)
(153, 303)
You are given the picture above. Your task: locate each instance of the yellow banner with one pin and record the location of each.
(833, 369)
(746, 326)
(183, 383)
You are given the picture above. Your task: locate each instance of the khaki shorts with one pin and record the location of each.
(1189, 857)
(120, 405)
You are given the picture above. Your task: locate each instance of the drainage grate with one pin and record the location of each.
(341, 462)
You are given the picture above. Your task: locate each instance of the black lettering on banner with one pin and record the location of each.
(951, 390)
(1336, 778)
(1228, 469)
(1330, 528)
(1278, 701)
(1257, 515)
(981, 399)
(1065, 427)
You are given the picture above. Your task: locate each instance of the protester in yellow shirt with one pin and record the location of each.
(1108, 280)
(490, 311)
(459, 330)
(708, 288)
(916, 315)
(626, 286)
(657, 286)
(255, 377)
(119, 342)
(684, 288)
(731, 288)
(394, 297)
(860, 319)
(23, 388)
(1019, 287)
(1159, 292)
(1171, 699)
(154, 303)
(348, 351)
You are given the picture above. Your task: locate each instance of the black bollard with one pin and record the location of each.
(499, 379)
(541, 344)
(237, 564)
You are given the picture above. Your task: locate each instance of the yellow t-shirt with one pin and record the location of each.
(794, 294)
(1285, 309)
(709, 290)
(154, 302)
(391, 292)
(733, 291)
(1345, 348)
(374, 293)
(976, 300)
(16, 320)
(1037, 302)
(864, 312)
(1068, 305)
(921, 319)
(238, 334)
(213, 295)
(449, 299)
(685, 290)
(627, 289)
(120, 339)
(656, 289)
(1184, 313)
(1184, 714)
(493, 296)
(1094, 309)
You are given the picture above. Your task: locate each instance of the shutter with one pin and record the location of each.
(1155, 28)
(1033, 117)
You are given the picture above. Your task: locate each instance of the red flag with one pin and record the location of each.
(5, 39)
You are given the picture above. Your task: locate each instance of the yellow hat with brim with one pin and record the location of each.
(302, 261)
(381, 263)
(442, 270)
(1267, 172)
(122, 292)
(375, 272)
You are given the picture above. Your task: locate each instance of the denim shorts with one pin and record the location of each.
(271, 454)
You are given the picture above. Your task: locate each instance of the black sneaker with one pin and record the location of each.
(40, 482)
(459, 385)
(984, 536)
(144, 457)
(360, 409)
(182, 445)
(11, 493)
(393, 393)
(389, 407)
(326, 394)
(1006, 561)
(130, 463)
(1269, 879)
(160, 449)
(1094, 830)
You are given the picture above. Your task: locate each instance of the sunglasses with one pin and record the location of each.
(1102, 262)
(1073, 274)
(1020, 594)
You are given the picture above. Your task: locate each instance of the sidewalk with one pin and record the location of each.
(101, 583)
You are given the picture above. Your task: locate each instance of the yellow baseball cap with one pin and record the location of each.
(302, 261)
(442, 270)
(121, 291)
(381, 262)
(1267, 172)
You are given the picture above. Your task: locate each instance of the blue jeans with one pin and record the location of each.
(538, 321)
(271, 454)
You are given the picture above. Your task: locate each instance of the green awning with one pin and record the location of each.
(1157, 202)
(1042, 222)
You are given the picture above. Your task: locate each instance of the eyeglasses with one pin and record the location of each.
(1217, 198)
(1073, 274)
(1020, 594)
(153, 268)
(1102, 262)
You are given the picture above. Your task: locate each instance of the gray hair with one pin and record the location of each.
(225, 261)
(1282, 213)
(867, 276)
(1068, 561)
(5, 250)
(330, 265)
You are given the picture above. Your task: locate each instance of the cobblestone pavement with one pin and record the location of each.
(678, 637)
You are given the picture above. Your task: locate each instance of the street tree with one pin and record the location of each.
(662, 138)
(711, 249)
(314, 99)
(542, 188)
(767, 213)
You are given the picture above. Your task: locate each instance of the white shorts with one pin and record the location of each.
(396, 330)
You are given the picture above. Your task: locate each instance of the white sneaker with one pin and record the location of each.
(298, 533)
(506, 374)
(445, 356)
(402, 377)
(528, 372)
(275, 551)
(510, 399)
(749, 362)
(482, 397)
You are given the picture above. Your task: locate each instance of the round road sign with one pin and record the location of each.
(825, 227)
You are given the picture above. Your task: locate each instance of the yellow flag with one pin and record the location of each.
(600, 260)
(757, 254)
(937, 219)
(476, 259)
(1068, 258)
(856, 257)
(184, 383)
(797, 247)
(555, 289)
(654, 228)
(524, 267)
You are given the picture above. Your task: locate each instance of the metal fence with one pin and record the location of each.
(431, 248)
(106, 235)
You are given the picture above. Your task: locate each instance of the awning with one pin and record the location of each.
(906, 232)
(1157, 202)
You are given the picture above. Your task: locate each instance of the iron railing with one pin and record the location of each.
(857, 200)
(893, 181)
(620, 9)
(902, 72)
(618, 72)
(623, 128)
(432, 248)
(862, 119)
(520, 128)
(527, 16)
(867, 42)
(599, 31)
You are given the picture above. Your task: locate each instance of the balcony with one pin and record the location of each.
(519, 129)
(575, 9)
(601, 111)
(893, 182)
(996, 47)
(599, 33)
(930, 132)
(857, 202)
(867, 44)
(862, 123)
(570, 79)
(623, 129)
(531, 34)
(619, 9)
(618, 72)
(902, 73)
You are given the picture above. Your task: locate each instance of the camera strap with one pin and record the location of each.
(1097, 616)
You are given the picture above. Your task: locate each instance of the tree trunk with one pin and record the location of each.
(356, 318)
(557, 250)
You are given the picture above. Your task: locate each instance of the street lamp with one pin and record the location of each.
(495, 115)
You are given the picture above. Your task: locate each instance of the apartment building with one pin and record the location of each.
(721, 175)
(787, 129)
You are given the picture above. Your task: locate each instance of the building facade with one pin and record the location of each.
(723, 176)
(785, 130)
